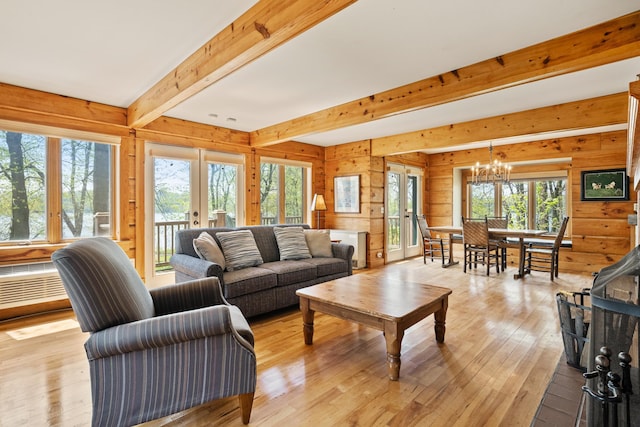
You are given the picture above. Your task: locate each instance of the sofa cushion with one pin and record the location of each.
(239, 248)
(291, 243)
(248, 281)
(329, 266)
(319, 243)
(207, 248)
(289, 272)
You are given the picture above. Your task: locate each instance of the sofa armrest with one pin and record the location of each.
(185, 296)
(157, 332)
(196, 268)
(343, 251)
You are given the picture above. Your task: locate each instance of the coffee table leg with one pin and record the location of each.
(307, 320)
(393, 335)
(440, 318)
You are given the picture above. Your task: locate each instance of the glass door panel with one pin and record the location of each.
(187, 188)
(403, 203)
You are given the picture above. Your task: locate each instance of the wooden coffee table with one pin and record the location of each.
(389, 305)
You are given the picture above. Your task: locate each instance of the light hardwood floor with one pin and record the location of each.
(501, 346)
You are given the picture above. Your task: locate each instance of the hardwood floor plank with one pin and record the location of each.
(502, 345)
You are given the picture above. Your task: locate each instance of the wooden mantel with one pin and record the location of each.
(633, 142)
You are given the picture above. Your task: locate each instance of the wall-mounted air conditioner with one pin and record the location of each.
(29, 285)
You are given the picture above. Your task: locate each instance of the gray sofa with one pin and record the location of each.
(268, 286)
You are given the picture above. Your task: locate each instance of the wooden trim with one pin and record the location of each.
(601, 44)
(53, 177)
(264, 27)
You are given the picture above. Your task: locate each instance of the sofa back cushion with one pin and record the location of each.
(263, 235)
(291, 243)
(319, 243)
(207, 248)
(240, 250)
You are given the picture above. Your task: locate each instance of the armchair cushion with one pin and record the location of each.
(103, 294)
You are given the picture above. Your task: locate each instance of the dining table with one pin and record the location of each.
(494, 233)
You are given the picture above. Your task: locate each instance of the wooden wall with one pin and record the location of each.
(599, 230)
(356, 159)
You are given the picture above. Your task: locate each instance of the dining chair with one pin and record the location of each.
(476, 242)
(154, 352)
(544, 257)
(503, 243)
(432, 245)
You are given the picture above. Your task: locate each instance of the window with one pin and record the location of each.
(45, 176)
(482, 200)
(283, 192)
(23, 213)
(534, 203)
(86, 188)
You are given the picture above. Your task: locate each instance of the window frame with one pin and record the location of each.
(53, 178)
(531, 179)
(306, 187)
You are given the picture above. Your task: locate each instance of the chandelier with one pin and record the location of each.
(493, 171)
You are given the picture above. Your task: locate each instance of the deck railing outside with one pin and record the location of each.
(393, 232)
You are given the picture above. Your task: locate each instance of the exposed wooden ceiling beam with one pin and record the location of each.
(264, 27)
(589, 113)
(48, 109)
(605, 43)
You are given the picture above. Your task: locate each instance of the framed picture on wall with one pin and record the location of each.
(346, 193)
(604, 185)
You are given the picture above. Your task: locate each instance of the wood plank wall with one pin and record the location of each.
(599, 230)
(356, 159)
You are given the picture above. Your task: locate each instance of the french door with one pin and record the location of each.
(403, 202)
(186, 188)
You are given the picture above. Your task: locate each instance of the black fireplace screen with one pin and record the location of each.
(614, 324)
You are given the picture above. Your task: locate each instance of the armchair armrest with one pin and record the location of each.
(187, 296)
(195, 267)
(157, 332)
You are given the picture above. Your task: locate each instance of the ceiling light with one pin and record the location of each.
(494, 171)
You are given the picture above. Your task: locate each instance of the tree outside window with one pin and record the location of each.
(83, 171)
(538, 204)
(482, 200)
(515, 203)
(86, 188)
(282, 189)
(22, 184)
(223, 191)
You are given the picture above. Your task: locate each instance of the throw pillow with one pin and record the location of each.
(291, 243)
(319, 243)
(207, 248)
(240, 249)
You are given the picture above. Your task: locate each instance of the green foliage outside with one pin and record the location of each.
(270, 184)
(548, 199)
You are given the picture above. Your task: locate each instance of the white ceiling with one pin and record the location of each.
(112, 52)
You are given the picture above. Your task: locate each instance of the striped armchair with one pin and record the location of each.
(154, 352)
